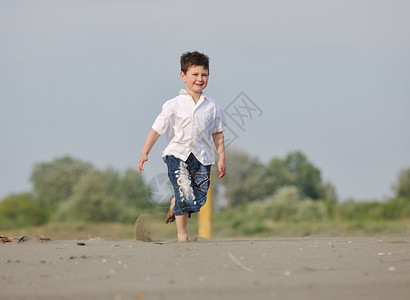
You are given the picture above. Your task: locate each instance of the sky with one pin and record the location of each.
(328, 78)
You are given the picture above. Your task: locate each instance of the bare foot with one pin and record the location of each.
(182, 238)
(170, 215)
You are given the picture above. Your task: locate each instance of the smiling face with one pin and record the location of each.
(196, 79)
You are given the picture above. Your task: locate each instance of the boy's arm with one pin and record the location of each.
(220, 147)
(149, 143)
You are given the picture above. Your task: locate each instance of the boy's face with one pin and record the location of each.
(196, 79)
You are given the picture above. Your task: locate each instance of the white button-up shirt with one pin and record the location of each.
(189, 127)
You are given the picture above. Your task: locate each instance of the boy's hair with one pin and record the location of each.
(189, 59)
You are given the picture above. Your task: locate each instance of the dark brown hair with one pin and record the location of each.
(189, 59)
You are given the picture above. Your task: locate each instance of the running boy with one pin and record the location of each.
(190, 121)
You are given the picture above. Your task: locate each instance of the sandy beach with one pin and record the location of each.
(272, 268)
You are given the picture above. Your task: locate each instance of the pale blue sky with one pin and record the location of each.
(87, 78)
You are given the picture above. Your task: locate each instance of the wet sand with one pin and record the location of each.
(274, 268)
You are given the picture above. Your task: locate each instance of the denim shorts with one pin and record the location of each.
(190, 180)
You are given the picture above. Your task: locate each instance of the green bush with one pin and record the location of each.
(402, 187)
(359, 211)
(283, 204)
(94, 199)
(288, 205)
(53, 182)
(17, 211)
(396, 208)
(252, 227)
(309, 210)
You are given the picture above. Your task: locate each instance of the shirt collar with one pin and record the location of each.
(184, 92)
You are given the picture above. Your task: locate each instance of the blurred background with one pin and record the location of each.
(81, 83)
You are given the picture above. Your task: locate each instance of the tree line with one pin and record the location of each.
(284, 189)
(67, 189)
(250, 180)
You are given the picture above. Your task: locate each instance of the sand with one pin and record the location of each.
(273, 268)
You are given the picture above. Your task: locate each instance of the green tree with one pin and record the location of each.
(402, 187)
(106, 196)
(359, 211)
(306, 176)
(96, 197)
(53, 182)
(242, 182)
(286, 204)
(396, 208)
(329, 192)
(282, 205)
(20, 210)
(275, 176)
(309, 210)
(133, 190)
(249, 180)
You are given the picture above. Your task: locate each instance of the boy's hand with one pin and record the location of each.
(143, 159)
(149, 142)
(221, 168)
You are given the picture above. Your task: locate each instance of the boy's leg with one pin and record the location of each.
(170, 215)
(200, 179)
(190, 180)
(182, 221)
(184, 194)
(181, 182)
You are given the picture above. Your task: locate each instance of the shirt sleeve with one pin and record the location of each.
(161, 123)
(220, 120)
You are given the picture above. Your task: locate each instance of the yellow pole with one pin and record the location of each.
(205, 216)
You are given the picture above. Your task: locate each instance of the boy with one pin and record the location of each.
(190, 121)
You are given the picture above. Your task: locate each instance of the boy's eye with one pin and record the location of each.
(197, 74)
